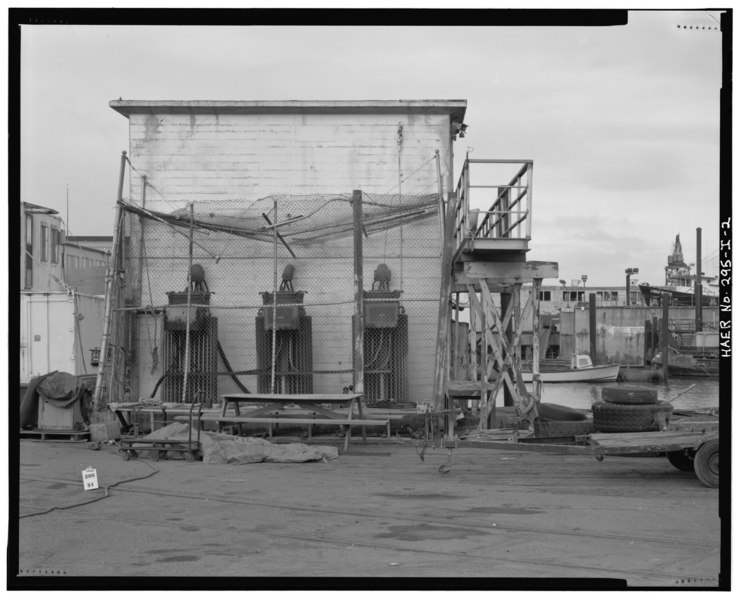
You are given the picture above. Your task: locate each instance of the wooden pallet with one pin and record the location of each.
(70, 436)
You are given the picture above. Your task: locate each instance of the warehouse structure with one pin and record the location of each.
(241, 166)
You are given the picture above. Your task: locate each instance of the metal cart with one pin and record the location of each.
(130, 445)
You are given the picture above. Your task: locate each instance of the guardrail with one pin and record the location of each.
(507, 217)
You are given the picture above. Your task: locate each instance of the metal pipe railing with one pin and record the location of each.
(508, 216)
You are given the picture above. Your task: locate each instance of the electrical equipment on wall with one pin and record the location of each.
(292, 368)
(385, 341)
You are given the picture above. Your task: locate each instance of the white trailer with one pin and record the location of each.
(57, 331)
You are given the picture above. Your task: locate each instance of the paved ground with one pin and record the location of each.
(378, 511)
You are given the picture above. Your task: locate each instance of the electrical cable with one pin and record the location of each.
(104, 496)
(233, 376)
(79, 334)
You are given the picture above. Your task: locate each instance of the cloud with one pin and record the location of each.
(622, 122)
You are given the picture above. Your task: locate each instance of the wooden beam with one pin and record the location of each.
(441, 368)
(519, 272)
(665, 300)
(536, 350)
(358, 276)
(501, 276)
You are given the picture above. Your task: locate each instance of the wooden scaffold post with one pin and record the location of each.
(108, 358)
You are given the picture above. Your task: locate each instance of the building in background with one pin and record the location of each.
(42, 235)
(61, 307)
(85, 260)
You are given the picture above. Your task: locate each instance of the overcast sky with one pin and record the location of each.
(622, 122)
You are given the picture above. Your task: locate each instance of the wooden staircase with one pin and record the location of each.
(487, 237)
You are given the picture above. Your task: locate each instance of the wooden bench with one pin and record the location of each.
(341, 422)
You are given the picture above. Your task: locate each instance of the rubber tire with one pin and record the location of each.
(682, 460)
(629, 395)
(545, 429)
(621, 418)
(553, 411)
(706, 464)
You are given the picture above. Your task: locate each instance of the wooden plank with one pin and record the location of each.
(642, 436)
(289, 398)
(519, 272)
(441, 372)
(502, 341)
(290, 420)
(466, 386)
(651, 442)
(536, 351)
(699, 426)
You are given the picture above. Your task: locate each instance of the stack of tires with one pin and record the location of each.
(629, 409)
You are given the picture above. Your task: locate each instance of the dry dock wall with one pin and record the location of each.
(620, 331)
(221, 157)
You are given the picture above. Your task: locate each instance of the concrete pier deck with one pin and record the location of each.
(376, 512)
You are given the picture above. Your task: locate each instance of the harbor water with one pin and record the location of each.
(704, 395)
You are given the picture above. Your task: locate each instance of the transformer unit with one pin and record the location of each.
(385, 347)
(178, 313)
(203, 352)
(293, 366)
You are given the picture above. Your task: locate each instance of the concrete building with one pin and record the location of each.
(52, 261)
(229, 155)
(84, 266)
(574, 294)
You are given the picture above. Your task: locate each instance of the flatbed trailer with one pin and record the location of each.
(691, 444)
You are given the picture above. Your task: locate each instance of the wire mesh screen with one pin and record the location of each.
(202, 281)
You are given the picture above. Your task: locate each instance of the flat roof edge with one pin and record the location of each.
(455, 108)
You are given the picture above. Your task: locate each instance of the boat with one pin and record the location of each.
(678, 295)
(580, 369)
(683, 363)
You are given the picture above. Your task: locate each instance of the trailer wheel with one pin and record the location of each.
(190, 456)
(707, 465)
(682, 460)
(626, 418)
(629, 395)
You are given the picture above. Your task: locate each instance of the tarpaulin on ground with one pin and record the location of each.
(61, 389)
(217, 448)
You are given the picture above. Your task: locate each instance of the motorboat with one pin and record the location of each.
(580, 369)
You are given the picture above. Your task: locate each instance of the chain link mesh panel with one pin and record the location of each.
(238, 260)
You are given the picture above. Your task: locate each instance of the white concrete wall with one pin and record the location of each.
(221, 157)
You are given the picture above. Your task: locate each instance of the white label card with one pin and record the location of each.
(90, 478)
